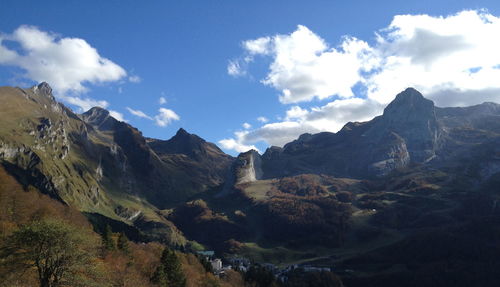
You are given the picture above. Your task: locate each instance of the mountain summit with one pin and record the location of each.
(99, 118)
(410, 101)
(43, 88)
(412, 117)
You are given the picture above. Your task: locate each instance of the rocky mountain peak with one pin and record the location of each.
(97, 111)
(99, 117)
(412, 117)
(184, 138)
(182, 132)
(43, 88)
(410, 101)
(188, 144)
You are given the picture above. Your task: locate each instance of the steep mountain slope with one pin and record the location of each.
(101, 165)
(204, 161)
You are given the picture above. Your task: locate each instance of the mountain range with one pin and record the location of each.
(417, 173)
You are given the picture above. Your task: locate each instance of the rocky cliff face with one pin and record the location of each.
(413, 118)
(248, 167)
(99, 118)
(411, 130)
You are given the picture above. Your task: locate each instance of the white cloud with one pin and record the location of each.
(260, 46)
(135, 79)
(85, 104)
(296, 112)
(304, 67)
(165, 117)
(67, 64)
(277, 134)
(452, 60)
(139, 113)
(246, 126)
(436, 54)
(236, 68)
(117, 115)
(236, 143)
(162, 100)
(262, 119)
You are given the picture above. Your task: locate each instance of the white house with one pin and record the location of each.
(216, 264)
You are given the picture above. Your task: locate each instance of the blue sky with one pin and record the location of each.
(183, 51)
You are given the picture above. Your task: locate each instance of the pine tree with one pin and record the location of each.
(107, 239)
(159, 277)
(169, 273)
(123, 243)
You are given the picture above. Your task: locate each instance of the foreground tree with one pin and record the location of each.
(169, 273)
(60, 253)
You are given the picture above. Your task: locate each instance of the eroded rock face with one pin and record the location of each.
(393, 154)
(413, 118)
(248, 167)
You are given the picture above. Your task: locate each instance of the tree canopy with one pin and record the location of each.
(60, 253)
(169, 272)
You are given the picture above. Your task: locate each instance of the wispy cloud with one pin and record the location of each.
(139, 113)
(135, 79)
(262, 119)
(85, 103)
(117, 115)
(235, 68)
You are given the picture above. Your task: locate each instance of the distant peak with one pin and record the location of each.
(43, 88)
(99, 118)
(409, 101)
(182, 132)
(183, 136)
(410, 93)
(97, 111)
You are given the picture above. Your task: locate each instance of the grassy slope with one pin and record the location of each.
(73, 176)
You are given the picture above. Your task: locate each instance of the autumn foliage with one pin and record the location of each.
(91, 259)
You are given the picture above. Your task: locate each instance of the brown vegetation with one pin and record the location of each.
(133, 265)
